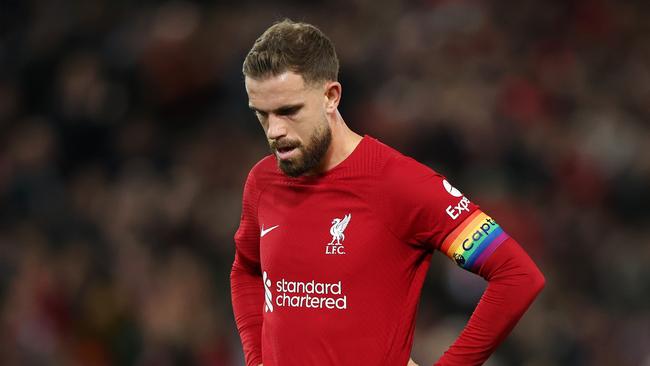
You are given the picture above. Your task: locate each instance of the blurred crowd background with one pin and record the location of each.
(125, 139)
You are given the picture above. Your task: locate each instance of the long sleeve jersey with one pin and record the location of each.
(329, 269)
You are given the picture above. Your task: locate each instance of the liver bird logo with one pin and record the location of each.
(338, 226)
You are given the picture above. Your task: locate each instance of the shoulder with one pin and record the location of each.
(261, 174)
(389, 163)
(399, 168)
(264, 168)
(415, 201)
(406, 181)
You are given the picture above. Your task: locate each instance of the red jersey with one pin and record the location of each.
(329, 268)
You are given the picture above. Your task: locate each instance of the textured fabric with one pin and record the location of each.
(328, 269)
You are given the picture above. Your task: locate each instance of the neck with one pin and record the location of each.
(344, 141)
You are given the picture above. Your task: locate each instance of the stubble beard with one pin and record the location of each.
(310, 157)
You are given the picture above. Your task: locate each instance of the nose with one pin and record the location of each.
(277, 127)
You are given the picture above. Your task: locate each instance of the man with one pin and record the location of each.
(337, 230)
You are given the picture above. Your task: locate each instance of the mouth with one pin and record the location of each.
(286, 152)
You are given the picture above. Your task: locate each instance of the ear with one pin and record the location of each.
(332, 96)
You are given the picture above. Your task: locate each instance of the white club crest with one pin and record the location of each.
(337, 229)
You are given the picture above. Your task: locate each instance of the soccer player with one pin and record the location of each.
(337, 230)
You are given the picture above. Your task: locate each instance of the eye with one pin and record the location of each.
(289, 111)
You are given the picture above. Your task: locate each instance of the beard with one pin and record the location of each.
(310, 156)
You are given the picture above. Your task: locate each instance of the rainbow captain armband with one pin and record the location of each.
(473, 241)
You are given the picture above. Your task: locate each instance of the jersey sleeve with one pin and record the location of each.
(426, 209)
(514, 281)
(247, 291)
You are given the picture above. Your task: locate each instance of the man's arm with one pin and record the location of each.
(513, 283)
(247, 294)
(425, 209)
(247, 290)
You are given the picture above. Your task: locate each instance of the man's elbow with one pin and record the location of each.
(536, 281)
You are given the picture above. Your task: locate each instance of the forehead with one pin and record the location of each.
(272, 92)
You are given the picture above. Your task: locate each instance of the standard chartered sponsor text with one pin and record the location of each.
(312, 294)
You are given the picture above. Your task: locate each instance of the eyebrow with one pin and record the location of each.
(280, 110)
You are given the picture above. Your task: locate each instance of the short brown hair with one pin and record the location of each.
(291, 46)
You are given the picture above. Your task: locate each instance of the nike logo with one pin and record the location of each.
(264, 232)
